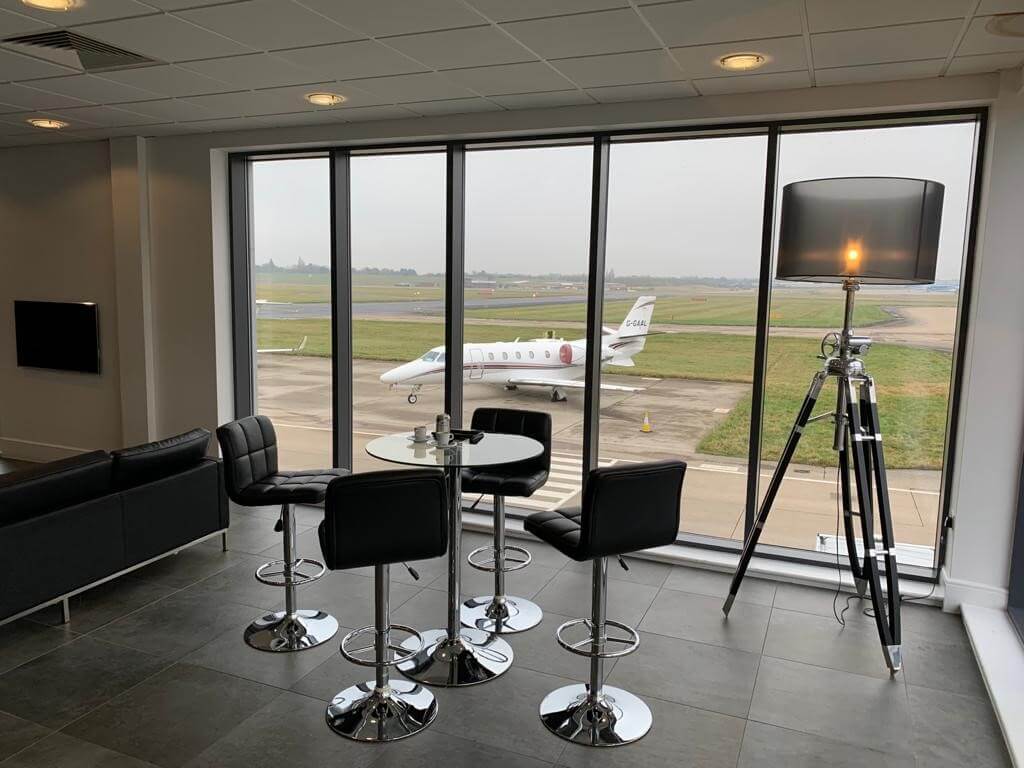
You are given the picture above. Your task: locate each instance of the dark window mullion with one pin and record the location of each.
(341, 308)
(454, 279)
(242, 314)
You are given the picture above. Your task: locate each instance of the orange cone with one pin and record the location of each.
(646, 426)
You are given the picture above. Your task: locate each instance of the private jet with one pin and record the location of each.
(550, 362)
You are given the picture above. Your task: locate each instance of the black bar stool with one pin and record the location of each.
(379, 518)
(501, 613)
(249, 446)
(626, 508)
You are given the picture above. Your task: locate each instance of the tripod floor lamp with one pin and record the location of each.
(853, 231)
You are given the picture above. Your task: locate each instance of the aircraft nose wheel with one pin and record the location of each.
(412, 399)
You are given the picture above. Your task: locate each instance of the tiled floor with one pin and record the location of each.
(153, 671)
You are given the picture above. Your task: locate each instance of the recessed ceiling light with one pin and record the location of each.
(324, 99)
(47, 122)
(51, 5)
(741, 62)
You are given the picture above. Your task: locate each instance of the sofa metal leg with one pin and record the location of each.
(65, 611)
(224, 541)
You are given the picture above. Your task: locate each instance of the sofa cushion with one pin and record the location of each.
(46, 487)
(152, 461)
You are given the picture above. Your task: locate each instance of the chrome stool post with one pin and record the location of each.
(382, 709)
(498, 612)
(291, 629)
(595, 714)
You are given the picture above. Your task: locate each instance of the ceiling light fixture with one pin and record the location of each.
(51, 5)
(47, 122)
(742, 62)
(324, 99)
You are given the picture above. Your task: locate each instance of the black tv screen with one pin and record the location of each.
(61, 335)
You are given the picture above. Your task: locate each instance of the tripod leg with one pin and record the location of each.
(773, 487)
(851, 538)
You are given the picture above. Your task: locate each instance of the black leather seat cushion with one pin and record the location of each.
(302, 486)
(487, 480)
(56, 484)
(152, 461)
(521, 478)
(560, 528)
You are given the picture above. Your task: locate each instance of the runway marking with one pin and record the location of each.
(719, 467)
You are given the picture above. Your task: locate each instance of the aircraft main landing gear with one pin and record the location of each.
(412, 398)
(558, 396)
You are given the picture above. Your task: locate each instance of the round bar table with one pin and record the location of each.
(456, 655)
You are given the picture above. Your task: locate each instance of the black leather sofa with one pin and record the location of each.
(70, 524)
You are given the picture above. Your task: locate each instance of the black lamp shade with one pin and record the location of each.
(867, 228)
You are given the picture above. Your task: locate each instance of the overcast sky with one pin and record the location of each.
(676, 208)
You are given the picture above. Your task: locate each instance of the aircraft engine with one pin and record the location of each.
(570, 355)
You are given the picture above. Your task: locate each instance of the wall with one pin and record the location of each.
(56, 243)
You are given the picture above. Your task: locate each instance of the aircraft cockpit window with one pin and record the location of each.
(430, 357)
(440, 358)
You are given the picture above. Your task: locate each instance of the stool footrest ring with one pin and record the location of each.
(274, 573)
(585, 647)
(491, 564)
(401, 652)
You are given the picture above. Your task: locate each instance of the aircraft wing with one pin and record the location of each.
(569, 384)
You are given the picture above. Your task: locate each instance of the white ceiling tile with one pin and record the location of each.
(542, 100)
(103, 116)
(318, 117)
(648, 92)
(25, 140)
(277, 100)
(620, 69)
(91, 88)
(878, 73)
(988, 7)
(167, 109)
(22, 97)
(165, 38)
(584, 34)
(156, 129)
(986, 62)
(832, 15)
(510, 78)
(980, 40)
(16, 24)
(396, 17)
(224, 124)
(362, 114)
(269, 24)
(503, 10)
(785, 54)
(167, 80)
(420, 87)
(453, 107)
(14, 66)
(773, 81)
(93, 10)
(468, 47)
(174, 5)
(254, 70)
(697, 22)
(347, 61)
(929, 40)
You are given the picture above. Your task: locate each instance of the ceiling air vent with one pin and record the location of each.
(79, 51)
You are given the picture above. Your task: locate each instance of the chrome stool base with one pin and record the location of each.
(396, 711)
(281, 633)
(616, 718)
(475, 657)
(503, 616)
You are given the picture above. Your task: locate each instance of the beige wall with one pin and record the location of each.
(56, 243)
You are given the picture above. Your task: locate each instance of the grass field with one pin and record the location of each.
(913, 384)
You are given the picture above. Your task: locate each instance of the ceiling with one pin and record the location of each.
(248, 63)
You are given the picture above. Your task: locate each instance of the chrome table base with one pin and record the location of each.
(281, 633)
(502, 615)
(472, 657)
(617, 717)
(367, 713)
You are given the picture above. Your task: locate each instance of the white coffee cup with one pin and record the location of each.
(419, 434)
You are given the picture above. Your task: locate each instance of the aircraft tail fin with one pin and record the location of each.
(635, 327)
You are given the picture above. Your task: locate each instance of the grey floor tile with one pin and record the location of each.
(16, 734)
(106, 603)
(700, 618)
(173, 716)
(426, 610)
(432, 748)
(290, 730)
(189, 566)
(641, 571)
(932, 621)
(334, 674)
(526, 582)
(837, 705)
(177, 625)
(935, 663)
(238, 584)
(24, 640)
(502, 713)
(569, 594)
(307, 544)
(63, 751)
(427, 570)
(538, 650)
(349, 598)
(953, 730)
(704, 676)
(766, 746)
(680, 736)
(702, 581)
(72, 680)
(797, 597)
(821, 641)
(253, 535)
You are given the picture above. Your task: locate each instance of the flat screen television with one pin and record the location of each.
(64, 336)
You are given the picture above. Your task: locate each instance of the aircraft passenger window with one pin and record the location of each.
(531, 355)
(547, 353)
(490, 355)
(504, 355)
(519, 355)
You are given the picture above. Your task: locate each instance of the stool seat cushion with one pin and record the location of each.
(560, 528)
(305, 486)
(491, 481)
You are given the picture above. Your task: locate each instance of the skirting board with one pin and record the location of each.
(29, 450)
(1000, 655)
(962, 592)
